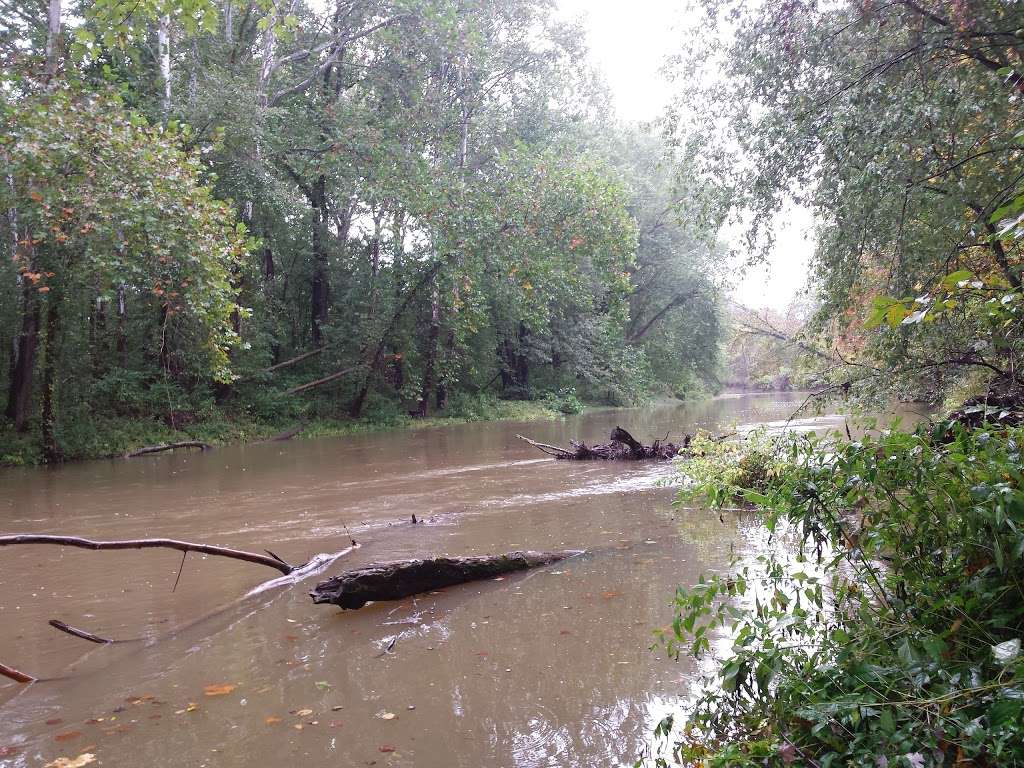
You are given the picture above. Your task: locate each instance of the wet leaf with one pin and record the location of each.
(323, 685)
(271, 720)
(387, 715)
(787, 752)
(68, 762)
(55, 721)
(610, 594)
(67, 736)
(298, 726)
(9, 751)
(385, 748)
(219, 689)
(304, 712)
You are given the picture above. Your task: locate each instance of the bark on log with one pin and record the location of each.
(402, 578)
(182, 546)
(168, 447)
(622, 447)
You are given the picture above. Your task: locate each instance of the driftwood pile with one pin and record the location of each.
(622, 446)
(402, 578)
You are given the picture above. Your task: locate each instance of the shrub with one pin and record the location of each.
(889, 634)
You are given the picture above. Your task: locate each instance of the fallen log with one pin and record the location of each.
(270, 560)
(320, 382)
(288, 434)
(294, 360)
(168, 447)
(622, 447)
(402, 578)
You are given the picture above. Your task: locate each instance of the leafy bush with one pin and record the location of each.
(889, 634)
(727, 471)
(563, 401)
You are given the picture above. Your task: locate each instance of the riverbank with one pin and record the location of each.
(103, 437)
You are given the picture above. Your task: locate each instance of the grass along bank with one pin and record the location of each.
(98, 436)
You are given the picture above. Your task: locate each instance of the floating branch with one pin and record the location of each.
(623, 447)
(168, 447)
(182, 546)
(75, 632)
(15, 675)
(402, 578)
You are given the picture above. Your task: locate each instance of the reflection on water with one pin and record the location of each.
(551, 668)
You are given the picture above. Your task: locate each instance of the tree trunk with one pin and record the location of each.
(52, 452)
(122, 328)
(320, 287)
(163, 34)
(53, 39)
(23, 360)
(430, 364)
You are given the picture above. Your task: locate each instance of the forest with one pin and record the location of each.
(228, 218)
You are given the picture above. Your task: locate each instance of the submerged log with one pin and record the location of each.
(168, 447)
(622, 447)
(402, 578)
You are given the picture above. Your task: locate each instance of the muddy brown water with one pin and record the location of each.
(550, 668)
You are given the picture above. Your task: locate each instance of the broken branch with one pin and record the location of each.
(181, 546)
(15, 675)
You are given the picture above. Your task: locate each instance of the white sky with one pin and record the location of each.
(628, 43)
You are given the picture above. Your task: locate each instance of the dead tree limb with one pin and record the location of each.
(168, 447)
(321, 382)
(623, 446)
(75, 632)
(402, 578)
(288, 434)
(550, 450)
(294, 360)
(181, 546)
(15, 675)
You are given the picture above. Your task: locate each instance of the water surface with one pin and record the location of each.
(551, 668)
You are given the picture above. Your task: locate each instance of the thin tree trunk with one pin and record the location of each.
(430, 365)
(122, 328)
(52, 452)
(164, 49)
(320, 287)
(23, 354)
(53, 39)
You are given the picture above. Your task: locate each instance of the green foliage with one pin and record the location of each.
(564, 401)
(884, 628)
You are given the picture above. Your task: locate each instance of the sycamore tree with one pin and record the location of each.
(109, 211)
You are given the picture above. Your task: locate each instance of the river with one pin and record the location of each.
(550, 668)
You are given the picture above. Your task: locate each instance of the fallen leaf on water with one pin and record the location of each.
(482, 654)
(272, 720)
(220, 689)
(386, 715)
(54, 721)
(610, 594)
(385, 748)
(298, 726)
(565, 632)
(323, 685)
(67, 736)
(304, 712)
(8, 751)
(77, 762)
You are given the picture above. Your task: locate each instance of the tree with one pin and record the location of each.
(109, 205)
